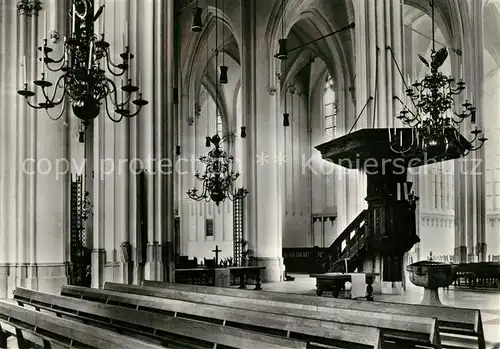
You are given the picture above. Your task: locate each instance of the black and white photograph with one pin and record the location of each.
(250, 174)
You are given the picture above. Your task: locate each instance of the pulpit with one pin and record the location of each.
(390, 218)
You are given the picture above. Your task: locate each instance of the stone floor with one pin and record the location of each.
(485, 300)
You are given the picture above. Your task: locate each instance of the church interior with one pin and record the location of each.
(250, 174)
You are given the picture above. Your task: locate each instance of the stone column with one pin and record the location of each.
(98, 257)
(134, 166)
(260, 107)
(168, 136)
(6, 25)
(378, 26)
(479, 173)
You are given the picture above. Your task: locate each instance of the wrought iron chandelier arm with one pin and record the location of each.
(33, 105)
(109, 114)
(114, 92)
(110, 65)
(56, 88)
(60, 114)
(135, 113)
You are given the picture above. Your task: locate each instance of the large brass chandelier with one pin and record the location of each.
(80, 72)
(218, 179)
(433, 115)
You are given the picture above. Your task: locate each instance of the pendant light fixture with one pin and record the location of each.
(197, 25)
(283, 55)
(282, 52)
(223, 67)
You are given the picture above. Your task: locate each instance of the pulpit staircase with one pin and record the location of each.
(349, 247)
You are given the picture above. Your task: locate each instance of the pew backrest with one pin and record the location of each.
(460, 321)
(397, 326)
(151, 324)
(64, 332)
(311, 330)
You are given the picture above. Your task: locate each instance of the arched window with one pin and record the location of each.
(329, 110)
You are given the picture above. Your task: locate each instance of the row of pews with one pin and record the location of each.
(159, 315)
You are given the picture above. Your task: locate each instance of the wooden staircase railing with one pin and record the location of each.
(349, 245)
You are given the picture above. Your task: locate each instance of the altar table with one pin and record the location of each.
(207, 276)
(334, 282)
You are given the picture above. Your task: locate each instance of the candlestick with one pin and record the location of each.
(42, 60)
(73, 22)
(45, 25)
(24, 69)
(90, 54)
(125, 40)
(66, 60)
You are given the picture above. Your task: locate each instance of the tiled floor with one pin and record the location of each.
(487, 301)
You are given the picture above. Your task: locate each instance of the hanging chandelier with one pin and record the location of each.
(28, 7)
(433, 115)
(80, 73)
(218, 179)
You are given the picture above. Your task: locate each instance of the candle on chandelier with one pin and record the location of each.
(461, 72)
(73, 22)
(90, 54)
(125, 35)
(139, 78)
(45, 25)
(65, 52)
(24, 69)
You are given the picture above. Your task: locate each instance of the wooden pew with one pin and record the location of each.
(153, 326)
(311, 331)
(61, 332)
(454, 321)
(399, 328)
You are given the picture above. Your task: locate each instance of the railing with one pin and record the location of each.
(320, 260)
(305, 259)
(348, 244)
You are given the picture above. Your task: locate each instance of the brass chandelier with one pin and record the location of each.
(433, 115)
(80, 72)
(219, 175)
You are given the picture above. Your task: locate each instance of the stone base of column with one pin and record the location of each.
(151, 266)
(4, 285)
(168, 261)
(137, 273)
(461, 254)
(481, 249)
(126, 266)
(49, 278)
(98, 258)
(274, 271)
(45, 277)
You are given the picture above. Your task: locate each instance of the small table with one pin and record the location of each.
(334, 282)
(243, 272)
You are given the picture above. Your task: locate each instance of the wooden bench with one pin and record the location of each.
(395, 328)
(60, 332)
(164, 328)
(455, 321)
(313, 332)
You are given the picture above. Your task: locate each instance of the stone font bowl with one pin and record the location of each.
(430, 274)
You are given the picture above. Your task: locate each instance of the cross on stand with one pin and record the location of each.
(216, 255)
